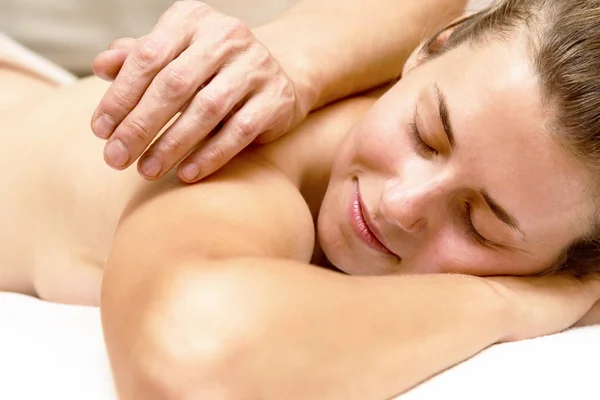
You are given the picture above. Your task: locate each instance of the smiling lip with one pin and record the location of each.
(359, 221)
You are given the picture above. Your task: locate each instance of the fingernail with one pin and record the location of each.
(150, 167)
(190, 171)
(117, 154)
(104, 125)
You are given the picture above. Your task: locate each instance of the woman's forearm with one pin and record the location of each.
(335, 48)
(276, 329)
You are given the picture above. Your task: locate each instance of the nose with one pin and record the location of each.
(415, 204)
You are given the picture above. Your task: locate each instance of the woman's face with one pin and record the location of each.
(454, 170)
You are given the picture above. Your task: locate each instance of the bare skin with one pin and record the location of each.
(18, 86)
(74, 225)
(169, 255)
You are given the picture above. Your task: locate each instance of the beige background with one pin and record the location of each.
(72, 32)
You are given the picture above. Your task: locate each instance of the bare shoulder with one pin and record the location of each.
(248, 208)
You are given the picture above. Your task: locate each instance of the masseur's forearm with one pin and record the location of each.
(340, 47)
(273, 329)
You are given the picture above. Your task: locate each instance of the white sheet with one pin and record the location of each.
(51, 351)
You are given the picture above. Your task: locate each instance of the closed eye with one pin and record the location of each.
(417, 141)
(467, 220)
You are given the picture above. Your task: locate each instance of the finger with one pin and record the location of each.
(166, 41)
(167, 94)
(237, 133)
(124, 43)
(206, 110)
(139, 68)
(284, 117)
(284, 124)
(107, 64)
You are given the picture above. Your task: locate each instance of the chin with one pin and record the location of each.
(345, 263)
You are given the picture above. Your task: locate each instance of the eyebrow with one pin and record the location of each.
(500, 212)
(444, 115)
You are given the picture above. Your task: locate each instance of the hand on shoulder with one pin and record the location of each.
(210, 67)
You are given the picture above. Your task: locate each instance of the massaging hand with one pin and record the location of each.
(549, 304)
(209, 66)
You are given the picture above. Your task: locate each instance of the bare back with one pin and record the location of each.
(61, 204)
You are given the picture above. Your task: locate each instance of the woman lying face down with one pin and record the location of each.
(479, 161)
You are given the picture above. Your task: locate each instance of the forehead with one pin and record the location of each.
(503, 139)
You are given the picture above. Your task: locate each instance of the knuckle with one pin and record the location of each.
(138, 129)
(222, 93)
(209, 105)
(120, 98)
(235, 28)
(256, 78)
(175, 82)
(172, 145)
(263, 58)
(199, 8)
(148, 54)
(215, 154)
(246, 129)
(193, 10)
(284, 90)
(230, 38)
(226, 49)
(287, 92)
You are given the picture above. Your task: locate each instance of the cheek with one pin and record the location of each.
(449, 252)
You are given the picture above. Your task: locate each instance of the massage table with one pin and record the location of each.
(56, 351)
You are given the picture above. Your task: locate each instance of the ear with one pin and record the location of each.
(419, 55)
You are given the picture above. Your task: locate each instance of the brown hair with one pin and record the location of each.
(564, 38)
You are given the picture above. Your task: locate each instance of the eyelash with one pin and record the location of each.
(471, 231)
(418, 142)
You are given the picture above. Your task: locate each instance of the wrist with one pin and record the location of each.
(295, 62)
(510, 319)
